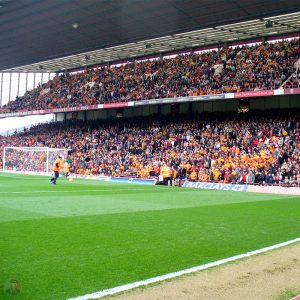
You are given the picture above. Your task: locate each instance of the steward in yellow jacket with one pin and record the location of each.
(56, 167)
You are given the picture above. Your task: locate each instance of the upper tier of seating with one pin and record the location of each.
(245, 68)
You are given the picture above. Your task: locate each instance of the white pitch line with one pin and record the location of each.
(72, 191)
(126, 287)
(27, 177)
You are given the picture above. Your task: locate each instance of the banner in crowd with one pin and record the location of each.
(51, 111)
(179, 99)
(254, 94)
(292, 91)
(211, 97)
(115, 105)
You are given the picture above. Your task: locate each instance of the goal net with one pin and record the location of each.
(31, 160)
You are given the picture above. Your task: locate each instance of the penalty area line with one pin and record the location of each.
(130, 286)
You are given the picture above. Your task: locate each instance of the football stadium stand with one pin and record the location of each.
(259, 148)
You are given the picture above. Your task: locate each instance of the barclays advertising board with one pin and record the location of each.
(216, 186)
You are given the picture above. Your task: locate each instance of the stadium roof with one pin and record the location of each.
(55, 35)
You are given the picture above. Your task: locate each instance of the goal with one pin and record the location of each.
(31, 160)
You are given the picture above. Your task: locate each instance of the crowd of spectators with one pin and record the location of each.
(244, 68)
(252, 148)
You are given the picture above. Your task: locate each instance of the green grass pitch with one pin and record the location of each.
(84, 236)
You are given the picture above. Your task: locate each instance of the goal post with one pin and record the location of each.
(31, 160)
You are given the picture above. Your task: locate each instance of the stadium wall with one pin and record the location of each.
(216, 106)
(227, 105)
(276, 102)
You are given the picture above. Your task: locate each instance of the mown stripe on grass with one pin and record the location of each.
(71, 191)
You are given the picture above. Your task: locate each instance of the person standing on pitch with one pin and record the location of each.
(56, 168)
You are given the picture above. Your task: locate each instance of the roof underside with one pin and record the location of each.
(57, 35)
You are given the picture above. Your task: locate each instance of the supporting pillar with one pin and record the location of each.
(9, 91)
(18, 93)
(1, 93)
(26, 85)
